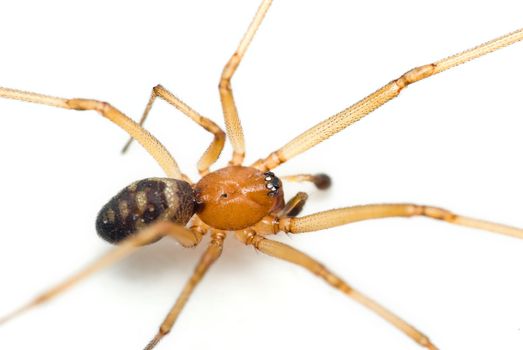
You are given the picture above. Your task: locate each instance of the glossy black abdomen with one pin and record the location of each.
(143, 202)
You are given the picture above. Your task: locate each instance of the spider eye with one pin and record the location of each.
(272, 182)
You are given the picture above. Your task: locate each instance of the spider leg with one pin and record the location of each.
(343, 119)
(212, 253)
(215, 148)
(230, 113)
(321, 181)
(148, 141)
(337, 217)
(186, 237)
(287, 253)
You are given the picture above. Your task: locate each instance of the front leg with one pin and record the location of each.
(342, 216)
(336, 123)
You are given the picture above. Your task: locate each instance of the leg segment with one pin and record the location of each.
(287, 253)
(321, 181)
(148, 141)
(212, 253)
(343, 119)
(215, 148)
(232, 121)
(337, 217)
(186, 237)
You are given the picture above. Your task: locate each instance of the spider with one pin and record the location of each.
(202, 203)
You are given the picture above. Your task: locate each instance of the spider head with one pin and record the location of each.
(236, 197)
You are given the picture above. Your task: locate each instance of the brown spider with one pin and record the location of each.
(253, 195)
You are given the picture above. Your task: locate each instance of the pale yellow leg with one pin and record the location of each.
(337, 217)
(232, 121)
(215, 148)
(148, 141)
(287, 253)
(212, 253)
(186, 237)
(343, 119)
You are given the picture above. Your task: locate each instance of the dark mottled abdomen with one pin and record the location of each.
(143, 202)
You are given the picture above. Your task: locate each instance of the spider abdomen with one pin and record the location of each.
(143, 202)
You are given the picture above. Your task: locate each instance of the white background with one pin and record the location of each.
(452, 141)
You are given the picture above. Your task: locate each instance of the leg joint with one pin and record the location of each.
(230, 67)
(218, 237)
(164, 330)
(237, 158)
(272, 161)
(81, 104)
(415, 75)
(285, 224)
(436, 213)
(249, 237)
(157, 88)
(225, 85)
(330, 278)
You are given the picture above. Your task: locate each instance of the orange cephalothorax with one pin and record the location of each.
(237, 197)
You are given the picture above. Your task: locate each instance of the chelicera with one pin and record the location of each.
(246, 202)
